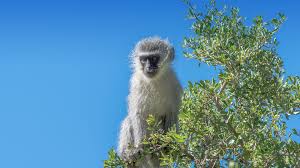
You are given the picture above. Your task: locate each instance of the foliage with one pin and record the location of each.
(239, 119)
(114, 160)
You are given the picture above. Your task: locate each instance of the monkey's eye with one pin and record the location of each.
(143, 60)
(155, 59)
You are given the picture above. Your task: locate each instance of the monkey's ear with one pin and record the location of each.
(171, 53)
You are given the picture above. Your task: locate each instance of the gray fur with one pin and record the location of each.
(159, 95)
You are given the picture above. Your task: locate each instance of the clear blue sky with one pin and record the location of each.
(64, 71)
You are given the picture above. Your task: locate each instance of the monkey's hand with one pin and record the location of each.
(132, 156)
(136, 154)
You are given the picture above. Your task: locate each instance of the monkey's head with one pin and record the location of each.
(152, 56)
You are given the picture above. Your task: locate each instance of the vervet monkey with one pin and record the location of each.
(154, 90)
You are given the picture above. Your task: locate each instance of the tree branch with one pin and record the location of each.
(219, 107)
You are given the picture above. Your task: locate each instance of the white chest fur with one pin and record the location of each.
(152, 97)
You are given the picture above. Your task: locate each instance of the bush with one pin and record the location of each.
(238, 119)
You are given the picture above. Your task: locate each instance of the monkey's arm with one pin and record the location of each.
(171, 117)
(125, 138)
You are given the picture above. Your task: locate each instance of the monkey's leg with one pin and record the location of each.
(170, 120)
(148, 161)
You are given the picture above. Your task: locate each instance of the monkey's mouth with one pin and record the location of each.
(151, 72)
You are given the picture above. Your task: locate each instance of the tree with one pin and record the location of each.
(238, 119)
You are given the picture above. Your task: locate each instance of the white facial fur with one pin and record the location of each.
(152, 45)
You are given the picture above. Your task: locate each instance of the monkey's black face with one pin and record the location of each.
(150, 64)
